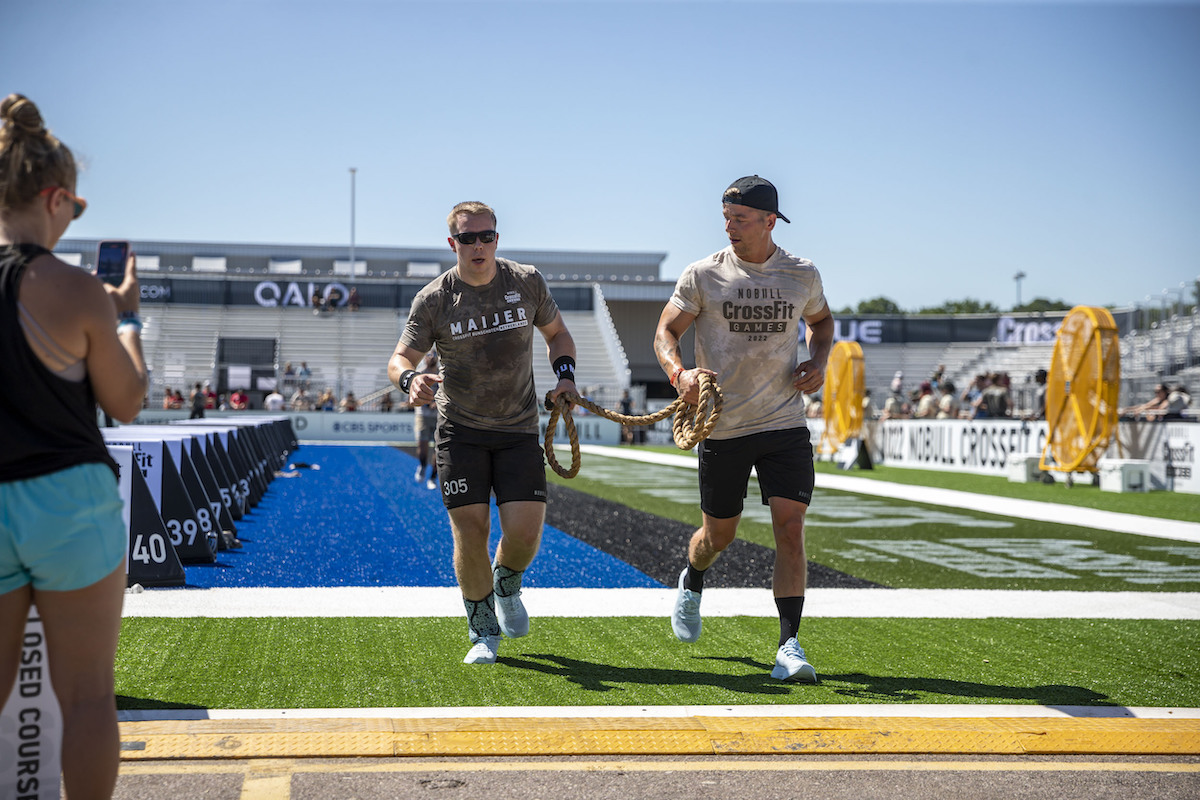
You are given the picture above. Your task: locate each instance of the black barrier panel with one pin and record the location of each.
(220, 496)
(152, 559)
(237, 484)
(186, 519)
(195, 488)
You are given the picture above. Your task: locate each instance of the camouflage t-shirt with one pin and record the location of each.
(749, 323)
(484, 337)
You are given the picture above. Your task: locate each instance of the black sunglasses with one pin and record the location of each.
(487, 237)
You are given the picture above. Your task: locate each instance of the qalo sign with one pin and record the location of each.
(270, 294)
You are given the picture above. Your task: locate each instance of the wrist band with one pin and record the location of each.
(564, 367)
(134, 324)
(406, 379)
(675, 375)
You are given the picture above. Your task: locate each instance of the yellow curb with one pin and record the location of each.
(727, 736)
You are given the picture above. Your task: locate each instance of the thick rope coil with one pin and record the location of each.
(692, 424)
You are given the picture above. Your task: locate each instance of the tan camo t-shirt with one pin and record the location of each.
(749, 323)
(484, 337)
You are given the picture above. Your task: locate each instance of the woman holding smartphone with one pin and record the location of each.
(67, 342)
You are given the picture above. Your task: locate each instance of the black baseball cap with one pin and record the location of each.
(754, 192)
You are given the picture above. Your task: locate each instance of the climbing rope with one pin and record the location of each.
(692, 424)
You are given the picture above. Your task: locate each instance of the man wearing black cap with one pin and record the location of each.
(750, 303)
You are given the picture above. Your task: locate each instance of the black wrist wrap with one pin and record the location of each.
(564, 367)
(406, 379)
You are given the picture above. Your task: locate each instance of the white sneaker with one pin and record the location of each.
(419, 475)
(791, 665)
(512, 616)
(685, 619)
(483, 651)
(431, 484)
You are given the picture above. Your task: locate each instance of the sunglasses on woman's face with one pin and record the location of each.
(487, 237)
(80, 203)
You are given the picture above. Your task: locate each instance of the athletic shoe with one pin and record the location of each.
(511, 614)
(419, 475)
(791, 665)
(483, 651)
(685, 619)
(431, 484)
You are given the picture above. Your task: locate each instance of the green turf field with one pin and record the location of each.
(388, 662)
(399, 662)
(913, 545)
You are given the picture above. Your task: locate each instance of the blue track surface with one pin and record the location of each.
(361, 520)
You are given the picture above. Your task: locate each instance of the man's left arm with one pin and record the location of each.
(809, 376)
(560, 348)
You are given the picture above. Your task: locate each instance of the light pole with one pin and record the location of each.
(1020, 276)
(353, 171)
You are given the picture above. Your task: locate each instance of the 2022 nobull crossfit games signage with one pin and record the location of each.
(984, 446)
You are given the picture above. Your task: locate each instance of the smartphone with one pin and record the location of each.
(111, 256)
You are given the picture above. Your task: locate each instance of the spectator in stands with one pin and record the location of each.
(222, 405)
(197, 402)
(971, 395)
(69, 342)
(354, 300)
(274, 401)
(210, 397)
(349, 403)
(896, 406)
(301, 401)
(870, 412)
(304, 375)
(947, 404)
(386, 403)
(487, 429)
(169, 399)
(993, 401)
(289, 378)
(327, 401)
(625, 407)
(1039, 397)
(1154, 406)
(926, 402)
(937, 376)
(333, 298)
(316, 302)
(239, 400)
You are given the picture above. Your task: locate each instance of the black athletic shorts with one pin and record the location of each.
(783, 459)
(472, 463)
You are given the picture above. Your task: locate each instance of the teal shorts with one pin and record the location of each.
(61, 531)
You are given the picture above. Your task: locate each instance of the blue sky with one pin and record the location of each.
(924, 151)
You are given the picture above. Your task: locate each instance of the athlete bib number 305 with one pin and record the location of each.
(455, 487)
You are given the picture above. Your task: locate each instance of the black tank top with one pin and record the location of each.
(46, 423)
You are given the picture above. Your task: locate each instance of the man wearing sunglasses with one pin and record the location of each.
(750, 303)
(480, 314)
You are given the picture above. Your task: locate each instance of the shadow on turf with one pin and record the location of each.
(907, 689)
(598, 677)
(127, 703)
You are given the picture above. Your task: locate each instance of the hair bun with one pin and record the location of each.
(19, 112)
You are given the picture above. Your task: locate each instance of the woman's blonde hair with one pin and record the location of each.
(31, 158)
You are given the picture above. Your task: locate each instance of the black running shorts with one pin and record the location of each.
(472, 463)
(783, 459)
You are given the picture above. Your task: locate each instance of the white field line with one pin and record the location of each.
(924, 710)
(395, 601)
(990, 504)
